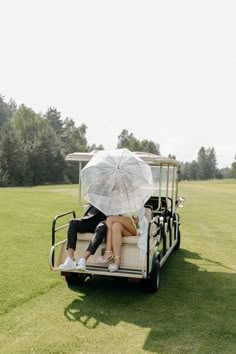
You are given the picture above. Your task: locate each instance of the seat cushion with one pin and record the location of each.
(130, 240)
(87, 236)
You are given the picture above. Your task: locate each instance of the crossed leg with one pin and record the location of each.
(117, 227)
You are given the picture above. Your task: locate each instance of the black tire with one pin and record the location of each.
(177, 246)
(76, 279)
(152, 284)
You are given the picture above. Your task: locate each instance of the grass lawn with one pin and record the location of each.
(193, 312)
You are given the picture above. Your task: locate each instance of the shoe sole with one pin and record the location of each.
(67, 269)
(82, 269)
(105, 261)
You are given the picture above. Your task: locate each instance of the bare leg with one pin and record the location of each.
(117, 226)
(87, 255)
(109, 231)
(108, 251)
(121, 226)
(125, 221)
(71, 253)
(117, 229)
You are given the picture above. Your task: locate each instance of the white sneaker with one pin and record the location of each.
(81, 264)
(69, 264)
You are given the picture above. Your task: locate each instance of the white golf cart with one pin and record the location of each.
(163, 231)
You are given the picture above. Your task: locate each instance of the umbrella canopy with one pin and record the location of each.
(117, 182)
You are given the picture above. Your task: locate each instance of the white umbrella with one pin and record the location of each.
(117, 181)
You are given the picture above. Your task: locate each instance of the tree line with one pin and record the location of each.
(33, 147)
(205, 167)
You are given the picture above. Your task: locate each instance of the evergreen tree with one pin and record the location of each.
(233, 168)
(202, 162)
(5, 111)
(54, 119)
(185, 171)
(212, 163)
(207, 163)
(194, 170)
(12, 157)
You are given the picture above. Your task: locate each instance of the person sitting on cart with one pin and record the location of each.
(119, 226)
(93, 221)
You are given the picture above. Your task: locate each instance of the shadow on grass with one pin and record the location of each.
(191, 311)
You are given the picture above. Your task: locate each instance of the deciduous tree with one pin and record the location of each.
(128, 140)
(44, 162)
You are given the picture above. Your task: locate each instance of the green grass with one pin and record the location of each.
(26, 218)
(193, 312)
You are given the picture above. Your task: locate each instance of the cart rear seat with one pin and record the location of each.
(130, 252)
(126, 239)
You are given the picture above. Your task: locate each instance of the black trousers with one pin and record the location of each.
(87, 225)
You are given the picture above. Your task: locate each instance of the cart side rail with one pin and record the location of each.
(55, 229)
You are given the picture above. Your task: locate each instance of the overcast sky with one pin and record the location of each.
(164, 70)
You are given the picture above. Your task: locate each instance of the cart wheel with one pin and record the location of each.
(152, 284)
(75, 279)
(177, 246)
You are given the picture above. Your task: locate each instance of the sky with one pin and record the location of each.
(164, 70)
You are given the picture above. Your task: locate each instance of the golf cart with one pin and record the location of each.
(163, 231)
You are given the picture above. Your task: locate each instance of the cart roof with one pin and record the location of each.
(151, 159)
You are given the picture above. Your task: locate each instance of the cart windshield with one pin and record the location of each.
(165, 181)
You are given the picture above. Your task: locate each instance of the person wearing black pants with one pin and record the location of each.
(93, 221)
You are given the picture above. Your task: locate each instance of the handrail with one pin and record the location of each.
(148, 243)
(55, 220)
(54, 229)
(51, 254)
